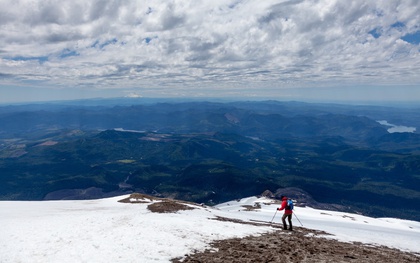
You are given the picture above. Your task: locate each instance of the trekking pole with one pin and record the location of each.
(273, 217)
(297, 218)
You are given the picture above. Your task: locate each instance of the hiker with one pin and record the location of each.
(287, 212)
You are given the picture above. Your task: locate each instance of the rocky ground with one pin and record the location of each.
(301, 245)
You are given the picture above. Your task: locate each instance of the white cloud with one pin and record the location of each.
(209, 44)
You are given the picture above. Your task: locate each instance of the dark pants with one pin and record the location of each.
(289, 218)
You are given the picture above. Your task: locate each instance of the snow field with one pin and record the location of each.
(105, 230)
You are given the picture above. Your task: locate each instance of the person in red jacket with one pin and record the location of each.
(287, 213)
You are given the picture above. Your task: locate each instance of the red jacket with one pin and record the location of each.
(283, 206)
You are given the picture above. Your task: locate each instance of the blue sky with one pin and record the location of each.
(324, 50)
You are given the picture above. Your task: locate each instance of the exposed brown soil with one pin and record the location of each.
(139, 198)
(164, 206)
(300, 245)
(168, 207)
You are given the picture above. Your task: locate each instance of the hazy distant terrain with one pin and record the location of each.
(212, 152)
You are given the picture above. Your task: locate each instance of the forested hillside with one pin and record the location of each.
(210, 153)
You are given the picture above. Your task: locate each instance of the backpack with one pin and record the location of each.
(289, 205)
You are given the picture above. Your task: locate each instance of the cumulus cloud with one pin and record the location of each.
(209, 45)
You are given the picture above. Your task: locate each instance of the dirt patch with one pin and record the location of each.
(139, 198)
(158, 205)
(168, 207)
(300, 245)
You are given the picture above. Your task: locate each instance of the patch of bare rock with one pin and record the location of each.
(158, 205)
(300, 245)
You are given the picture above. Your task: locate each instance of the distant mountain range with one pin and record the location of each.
(211, 152)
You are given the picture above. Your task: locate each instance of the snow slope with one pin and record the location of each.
(105, 230)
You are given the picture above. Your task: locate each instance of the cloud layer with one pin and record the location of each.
(200, 47)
